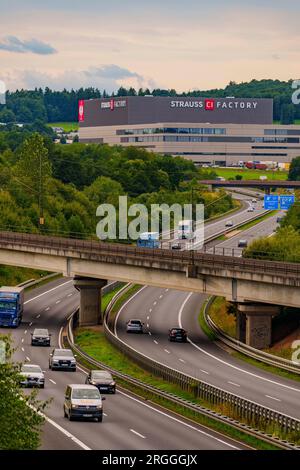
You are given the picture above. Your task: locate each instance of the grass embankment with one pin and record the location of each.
(251, 174)
(226, 321)
(93, 342)
(66, 126)
(11, 276)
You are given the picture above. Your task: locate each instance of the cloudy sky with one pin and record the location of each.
(159, 43)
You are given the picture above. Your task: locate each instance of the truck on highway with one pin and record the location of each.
(11, 306)
(148, 240)
(186, 229)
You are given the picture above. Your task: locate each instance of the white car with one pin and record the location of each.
(32, 376)
(250, 209)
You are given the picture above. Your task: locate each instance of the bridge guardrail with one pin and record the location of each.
(184, 258)
(243, 348)
(242, 408)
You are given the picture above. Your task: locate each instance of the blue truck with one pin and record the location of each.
(11, 306)
(148, 240)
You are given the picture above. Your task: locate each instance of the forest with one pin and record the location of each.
(46, 105)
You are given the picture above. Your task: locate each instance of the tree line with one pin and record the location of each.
(46, 105)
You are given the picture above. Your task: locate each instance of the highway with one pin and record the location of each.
(162, 309)
(129, 423)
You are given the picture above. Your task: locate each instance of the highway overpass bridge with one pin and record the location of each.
(250, 283)
(266, 185)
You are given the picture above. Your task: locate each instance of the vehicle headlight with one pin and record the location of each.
(99, 407)
(93, 383)
(74, 406)
(112, 383)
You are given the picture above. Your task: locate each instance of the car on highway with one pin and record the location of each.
(254, 201)
(176, 246)
(229, 223)
(135, 326)
(178, 334)
(103, 380)
(32, 376)
(250, 209)
(62, 359)
(242, 243)
(83, 401)
(40, 337)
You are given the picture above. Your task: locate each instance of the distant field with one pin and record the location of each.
(251, 174)
(66, 126)
(296, 121)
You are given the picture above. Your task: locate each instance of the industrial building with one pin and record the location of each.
(221, 131)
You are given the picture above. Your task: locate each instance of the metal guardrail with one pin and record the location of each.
(243, 348)
(243, 408)
(182, 403)
(125, 253)
(34, 282)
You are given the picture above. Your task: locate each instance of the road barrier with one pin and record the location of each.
(243, 348)
(241, 408)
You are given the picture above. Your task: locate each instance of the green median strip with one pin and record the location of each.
(93, 342)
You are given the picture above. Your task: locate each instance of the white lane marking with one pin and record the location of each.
(181, 360)
(227, 363)
(52, 381)
(161, 296)
(148, 317)
(59, 336)
(233, 383)
(25, 332)
(66, 433)
(46, 309)
(22, 340)
(272, 398)
(137, 433)
(23, 349)
(27, 358)
(154, 303)
(104, 414)
(47, 292)
(147, 325)
(123, 306)
(166, 290)
(69, 295)
(38, 316)
(169, 416)
(167, 351)
(156, 342)
(57, 302)
(204, 371)
(177, 420)
(150, 310)
(149, 333)
(30, 324)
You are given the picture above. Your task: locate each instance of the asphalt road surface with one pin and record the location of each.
(129, 423)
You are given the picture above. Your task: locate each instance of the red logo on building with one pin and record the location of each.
(209, 105)
(81, 111)
(112, 105)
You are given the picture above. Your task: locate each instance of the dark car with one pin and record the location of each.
(242, 244)
(32, 376)
(40, 337)
(176, 246)
(62, 359)
(135, 326)
(103, 380)
(178, 334)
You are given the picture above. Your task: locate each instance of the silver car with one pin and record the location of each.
(135, 326)
(32, 376)
(62, 359)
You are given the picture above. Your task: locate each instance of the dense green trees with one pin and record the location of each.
(294, 172)
(53, 106)
(20, 424)
(74, 179)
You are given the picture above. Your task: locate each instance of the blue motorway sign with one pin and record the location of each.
(286, 202)
(271, 203)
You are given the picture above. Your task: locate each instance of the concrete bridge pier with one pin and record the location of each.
(254, 324)
(90, 300)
